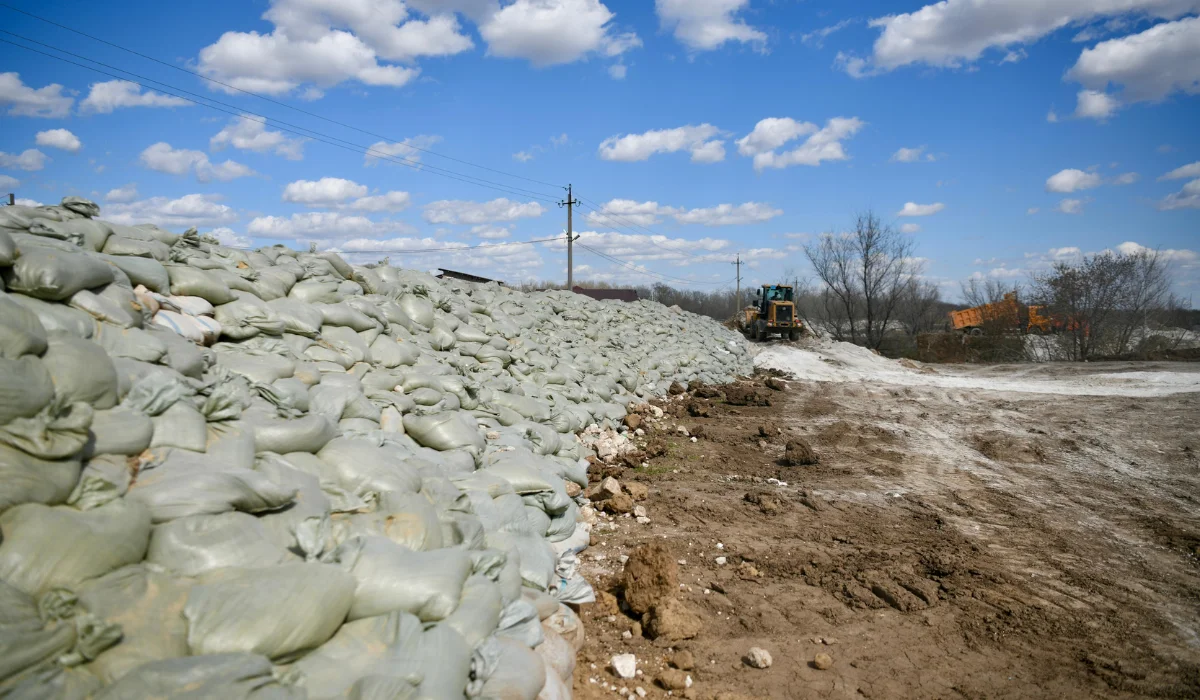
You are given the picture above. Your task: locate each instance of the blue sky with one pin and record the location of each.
(1000, 135)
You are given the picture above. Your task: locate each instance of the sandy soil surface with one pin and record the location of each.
(990, 532)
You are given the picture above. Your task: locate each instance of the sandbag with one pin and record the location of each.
(225, 676)
(21, 333)
(298, 317)
(108, 310)
(390, 577)
(198, 544)
(25, 387)
(276, 611)
(60, 431)
(81, 371)
(40, 637)
(510, 670)
(49, 547)
(55, 275)
(130, 343)
(28, 479)
(263, 369)
(132, 247)
(178, 489)
(144, 271)
(246, 317)
(446, 431)
(315, 292)
(57, 318)
(305, 434)
(188, 281)
(180, 425)
(374, 646)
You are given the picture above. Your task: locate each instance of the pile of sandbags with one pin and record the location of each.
(247, 472)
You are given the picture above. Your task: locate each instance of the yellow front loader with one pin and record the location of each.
(774, 313)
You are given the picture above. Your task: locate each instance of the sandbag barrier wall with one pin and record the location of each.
(275, 474)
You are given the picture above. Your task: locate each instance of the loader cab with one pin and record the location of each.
(772, 293)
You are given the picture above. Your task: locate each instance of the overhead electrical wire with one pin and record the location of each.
(282, 126)
(634, 267)
(264, 97)
(453, 249)
(613, 218)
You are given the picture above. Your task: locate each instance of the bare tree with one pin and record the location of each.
(977, 293)
(919, 308)
(864, 273)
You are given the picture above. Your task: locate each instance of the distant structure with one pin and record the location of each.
(464, 276)
(602, 294)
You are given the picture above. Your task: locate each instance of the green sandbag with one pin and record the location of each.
(55, 275)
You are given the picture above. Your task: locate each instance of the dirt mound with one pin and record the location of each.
(651, 576)
(746, 395)
(799, 453)
(1006, 447)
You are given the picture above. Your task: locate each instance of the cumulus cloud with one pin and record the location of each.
(106, 97)
(251, 134)
(954, 33)
(817, 37)
(1183, 172)
(1071, 206)
(699, 140)
(491, 233)
(821, 145)
(1072, 180)
(393, 201)
(704, 25)
(914, 209)
(161, 157)
(29, 159)
(184, 212)
(507, 262)
(625, 211)
(59, 138)
(617, 71)
(321, 226)
(122, 195)
(551, 32)
(910, 228)
(462, 212)
(229, 237)
(409, 150)
(326, 192)
(1149, 66)
(911, 155)
(523, 156)
(24, 101)
(8, 182)
(1126, 179)
(1186, 198)
(646, 248)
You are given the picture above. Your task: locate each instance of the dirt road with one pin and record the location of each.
(952, 542)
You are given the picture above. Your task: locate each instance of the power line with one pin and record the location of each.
(634, 267)
(599, 209)
(447, 249)
(282, 126)
(264, 97)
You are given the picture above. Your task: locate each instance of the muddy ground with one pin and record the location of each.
(948, 544)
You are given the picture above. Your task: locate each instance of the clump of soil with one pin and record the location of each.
(651, 576)
(746, 395)
(799, 453)
(1006, 447)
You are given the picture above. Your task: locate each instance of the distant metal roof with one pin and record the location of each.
(464, 276)
(602, 294)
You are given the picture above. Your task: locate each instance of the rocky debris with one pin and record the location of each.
(608, 488)
(618, 504)
(799, 453)
(673, 621)
(748, 571)
(769, 430)
(822, 662)
(676, 389)
(608, 444)
(731, 696)
(651, 576)
(708, 392)
(697, 409)
(640, 512)
(721, 561)
(683, 660)
(767, 505)
(674, 679)
(758, 657)
(682, 430)
(606, 604)
(775, 383)
(625, 665)
(698, 432)
(746, 395)
(633, 421)
(573, 489)
(638, 491)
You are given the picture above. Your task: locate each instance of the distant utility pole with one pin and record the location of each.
(12, 199)
(737, 299)
(569, 204)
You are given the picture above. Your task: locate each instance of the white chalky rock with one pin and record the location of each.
(759, 657)
(639, 512)
(721, 561)
(625, 665)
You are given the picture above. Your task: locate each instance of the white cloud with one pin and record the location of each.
(184, 212)
(22, 202)
(1183, 172)
(1071, 206)
(389, 201)
(490, 233)
(408, 150)
(914, 209)
(1032, 210)
(29, 159)
(619, 212)
(1126, 179)
(1149, 66)
(59, 138)
(122, 195)
(644, 248)
(463, 212)
(821, 145)
(321, 226)
(703, 25)
(105, 97)
(1186, 198)
(617, 71)
(8, 182)
(231, 238)
(1072, 180)
(560, 140)
(912, 155)
(552, 32)
(910, 228)
(161, 157)
(523, 156)
(24, 101)
(699, 140)
(1052, 116)
(1094, 104)
(251, 134)
(326, 192)
(507, 262)
(817, 37)
(954, 33)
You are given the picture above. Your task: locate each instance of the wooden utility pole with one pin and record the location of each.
(570, 204)
(737, 299)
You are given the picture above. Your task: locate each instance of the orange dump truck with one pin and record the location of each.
(1007, 314)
